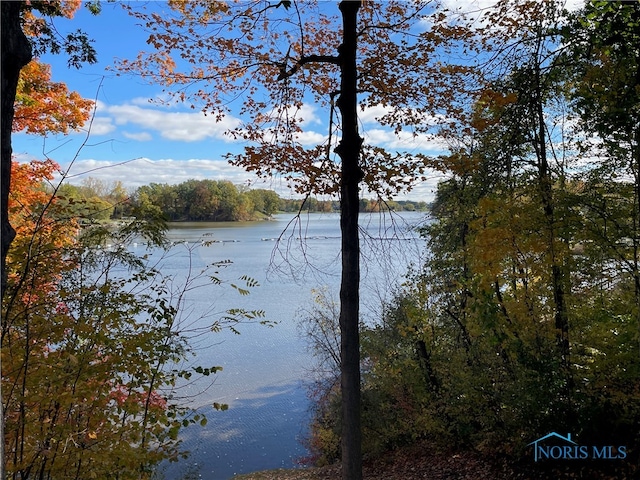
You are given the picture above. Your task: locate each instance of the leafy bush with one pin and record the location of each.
(94, 343)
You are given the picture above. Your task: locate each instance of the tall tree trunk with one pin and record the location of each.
(558, 275)
(349, 152)
(635, 153)
(16, 53)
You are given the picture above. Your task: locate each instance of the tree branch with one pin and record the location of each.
(303, 61)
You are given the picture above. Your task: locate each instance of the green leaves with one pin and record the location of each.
(207, 371)
(205, 200)
(525, 317)
(236, 316)
(248, 283)
(93, 339)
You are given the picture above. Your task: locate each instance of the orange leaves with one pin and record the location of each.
(251, 57)
(306, 170)
(32, 212)
(43, 106)
(489, 107)
(27, 189)
(34, 26)
(68, 8)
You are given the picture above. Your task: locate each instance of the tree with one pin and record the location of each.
(23, 34)
(43, 106)
(521, 100)
(119, 198)
(18, 18)
(592, 62)
(528, 301)
(607, 100)
(279, 55)
(93, 342)
(349, 150)
(265, 201)
(527, 248)
(206, 200)
(16, 53)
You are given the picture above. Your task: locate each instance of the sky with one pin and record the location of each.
(140, 142)
(137, 142)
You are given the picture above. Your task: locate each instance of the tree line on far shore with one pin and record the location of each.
(199, 200)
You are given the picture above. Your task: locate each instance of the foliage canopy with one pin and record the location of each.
(525, 319)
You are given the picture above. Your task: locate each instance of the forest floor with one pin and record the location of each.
(422, 462)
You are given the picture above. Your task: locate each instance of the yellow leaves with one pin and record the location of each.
(203, 11)
(507, 250)
(459, 163)
(489, 108)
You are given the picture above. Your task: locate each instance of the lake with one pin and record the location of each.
(264, 368)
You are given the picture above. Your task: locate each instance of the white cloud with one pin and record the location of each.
(162, 100)
(187, 126)
(305, 114)
(101, 126)
(142, 171)
(371, 114)
(141, 137)
(575, 4)
(404, 141)
(308, 138)
(457, 9)
(21, 157)
(308, 114)
(472, 8)
(179, 126)
(422, 190)
(478, 7)
(475, 9)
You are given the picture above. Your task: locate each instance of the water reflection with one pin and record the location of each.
(262, 431)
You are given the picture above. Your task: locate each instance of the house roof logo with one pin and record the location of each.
(552, 435)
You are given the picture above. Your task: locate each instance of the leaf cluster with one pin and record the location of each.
(267, 63)
(37, 19)
(95, 342)
(525, 319)
(43, 107)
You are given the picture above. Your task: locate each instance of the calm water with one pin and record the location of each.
(264, 368)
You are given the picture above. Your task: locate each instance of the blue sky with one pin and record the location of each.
(137, 142)
(159, 144)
